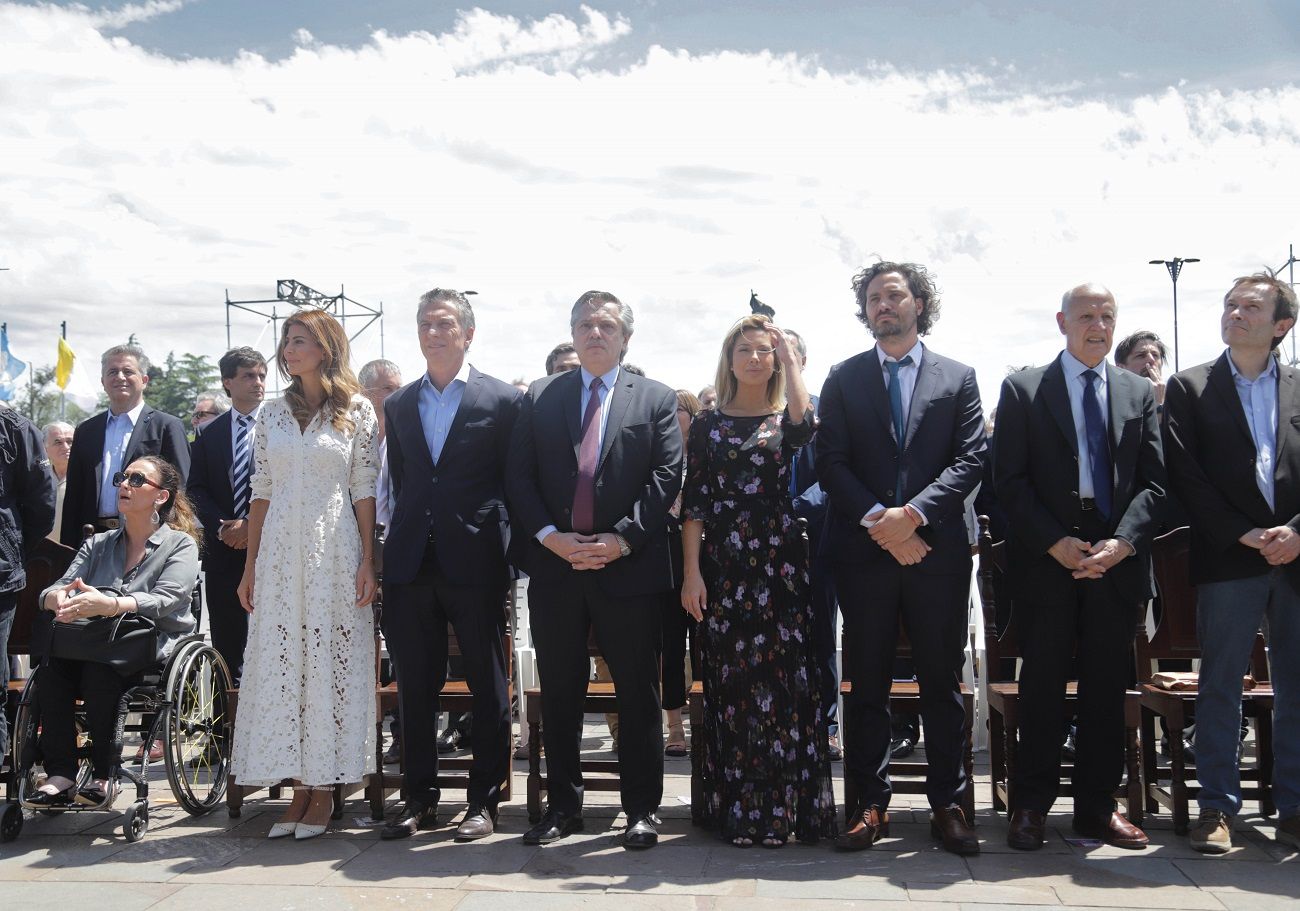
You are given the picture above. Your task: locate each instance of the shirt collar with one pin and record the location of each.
(462, 377)
(236, 414)
(1075, 368)
(609, 379)
(1269, 371)
(132, 416)
(914, 354)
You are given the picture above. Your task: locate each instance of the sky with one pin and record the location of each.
(158, 155)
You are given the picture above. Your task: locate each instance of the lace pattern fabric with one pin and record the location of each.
(306, 702)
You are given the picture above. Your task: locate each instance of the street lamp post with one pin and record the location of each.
(1175, 266)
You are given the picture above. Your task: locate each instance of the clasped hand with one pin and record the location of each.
(895, 531)
(583, 551)
(1086, 560)
(77, 600)
(1278, 545)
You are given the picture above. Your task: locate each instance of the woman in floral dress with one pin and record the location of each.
(766, 773)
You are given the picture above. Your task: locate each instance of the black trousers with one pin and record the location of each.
(824, 607)
(227, 619)
(1060, 619)
(678, 627)
(628, 635)
(60, 682)
(933, 610)
(415, 620)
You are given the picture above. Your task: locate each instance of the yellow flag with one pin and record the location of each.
(63, 369)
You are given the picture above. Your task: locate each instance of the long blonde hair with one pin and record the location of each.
(336, 376)
(725, 382)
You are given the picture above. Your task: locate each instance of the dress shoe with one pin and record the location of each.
(833, 751)
(1115, 831)
(393, 755)
(449, 741)
(642, 831)
(415, 815)
(871, 825)
(901, 747)
(1288, 831)
(155, 752)
(554, 825)
(1212, 833)
(949, 826)
(43, 800)
(1027, 830)
(478, 822)
(1069, 749)
(96, 795)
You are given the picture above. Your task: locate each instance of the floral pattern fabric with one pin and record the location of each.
(765, 770)
(307, 697)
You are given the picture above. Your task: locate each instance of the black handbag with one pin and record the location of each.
(128, 643)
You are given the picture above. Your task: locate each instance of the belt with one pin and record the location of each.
(1087, 504)
(108, 523)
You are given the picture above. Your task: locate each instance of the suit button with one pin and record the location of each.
(428, 512)
(889, 493)
(566, 510)
(1074, 493)
(433, 481)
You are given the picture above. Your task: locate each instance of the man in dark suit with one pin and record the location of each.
(445, 560)
(898, 452)
(219, 485)
(595, 465)
(1078, 470)
(1232, 439)
(108, 442)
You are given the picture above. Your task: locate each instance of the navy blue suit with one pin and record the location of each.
(445, 562)
(934, 468)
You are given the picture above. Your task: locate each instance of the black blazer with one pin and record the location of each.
(1036, 473)
(1211, 457)
(461, 500)
(209, 490)
(860, 463)
(155, 433)
(637, 479)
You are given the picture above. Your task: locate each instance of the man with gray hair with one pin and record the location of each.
(379, 379)
(105, 444)
(595, 465)
(208, 406)
(58, 446)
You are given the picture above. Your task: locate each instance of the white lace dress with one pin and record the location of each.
(307, 698)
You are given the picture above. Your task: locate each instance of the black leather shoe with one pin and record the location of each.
(46, 801)
(449, 741)
(901, 747)
(478, 822)
(415, 815)
(642, 831)
(554, 825)
(393, 755)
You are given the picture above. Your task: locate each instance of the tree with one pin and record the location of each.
(40, 400)
(174, 386)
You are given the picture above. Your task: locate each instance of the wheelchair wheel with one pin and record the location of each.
(11, 823)
(198, 731)
(136, 822)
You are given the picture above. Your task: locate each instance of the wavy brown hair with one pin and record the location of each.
(177, 512)
(336, 375)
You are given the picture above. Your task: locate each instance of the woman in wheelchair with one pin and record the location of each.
(153, 560)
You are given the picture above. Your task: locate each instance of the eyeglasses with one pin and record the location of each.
(134, 479)
(206, 414)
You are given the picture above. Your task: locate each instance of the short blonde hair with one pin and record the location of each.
(725, 383)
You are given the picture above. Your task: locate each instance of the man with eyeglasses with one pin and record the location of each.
(208, 406)
(219, 485)
(106, 443)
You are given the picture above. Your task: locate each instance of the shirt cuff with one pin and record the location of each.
(1132, 551)
(867, 523)
(541, 535)
(916, 509)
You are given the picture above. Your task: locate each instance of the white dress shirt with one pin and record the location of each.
(1075, 384)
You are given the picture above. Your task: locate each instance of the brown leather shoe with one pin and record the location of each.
(949, 826)
(1027, 830)
(479, 822)
(1116, 831)
(871, 825)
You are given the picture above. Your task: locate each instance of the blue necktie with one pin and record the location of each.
(1098, 448)
(242, 465)
(896, 409)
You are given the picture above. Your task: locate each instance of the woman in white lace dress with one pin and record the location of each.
(306, 700)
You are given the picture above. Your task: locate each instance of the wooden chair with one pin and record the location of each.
(453, 771)
(599, 699)
(1004, 694)
(1175, 637)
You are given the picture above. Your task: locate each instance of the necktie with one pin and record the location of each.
(241, 467)
(584, 491)
(1098, 448)
(896, 409)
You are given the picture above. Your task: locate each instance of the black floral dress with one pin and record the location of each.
(765, 770)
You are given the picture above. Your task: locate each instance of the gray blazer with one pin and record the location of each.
(161, 586)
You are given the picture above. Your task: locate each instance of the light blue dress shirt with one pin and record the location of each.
(438, 409)
(607, 386)
(117, 436)
(1075, 384)
(1259, 401)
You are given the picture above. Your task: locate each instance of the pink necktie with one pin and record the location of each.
(584, 492)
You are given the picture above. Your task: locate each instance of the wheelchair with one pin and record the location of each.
(183, 704)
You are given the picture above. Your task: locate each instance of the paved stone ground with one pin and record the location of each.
(82, 862)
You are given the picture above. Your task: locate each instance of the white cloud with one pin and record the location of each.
(514, 158)
(122, 16)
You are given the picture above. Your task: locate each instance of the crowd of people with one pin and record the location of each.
(740, 519)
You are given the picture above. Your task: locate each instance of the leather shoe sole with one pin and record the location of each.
(1117, 832)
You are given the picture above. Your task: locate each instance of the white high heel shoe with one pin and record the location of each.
(285, 829)
(306, 830)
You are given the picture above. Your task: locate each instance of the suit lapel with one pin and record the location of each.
(1221, 381)
(137, 434)
(622, 397)
(467, 400)
(416, 442)
(927, 380)
(223, 442)
(1058, 402)
(1286, 408)
(1118, 407)
(572, 403)
(878, 394)
(97, 427)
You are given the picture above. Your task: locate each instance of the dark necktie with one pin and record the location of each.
(241, 467)
(1098, 448)
(584, 491)
(896, 409)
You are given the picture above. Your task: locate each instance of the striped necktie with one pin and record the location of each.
(242, 466)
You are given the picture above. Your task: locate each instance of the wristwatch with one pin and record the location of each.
(623, 548)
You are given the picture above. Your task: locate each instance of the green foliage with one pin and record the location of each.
(174, 386)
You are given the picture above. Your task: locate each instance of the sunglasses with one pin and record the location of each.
(135, 479)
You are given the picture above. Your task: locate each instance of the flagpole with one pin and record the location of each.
(63, 393)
